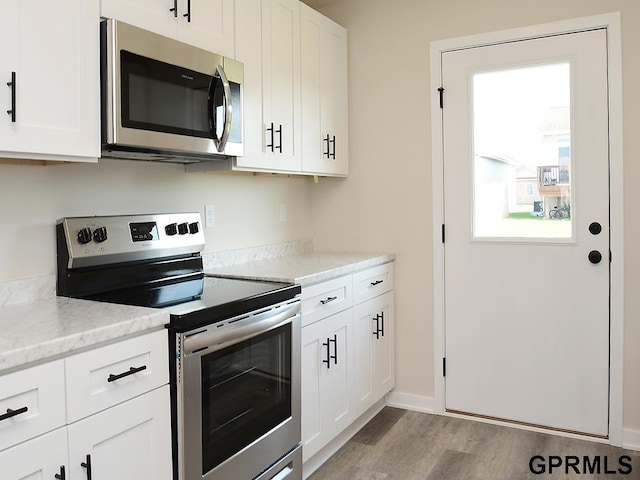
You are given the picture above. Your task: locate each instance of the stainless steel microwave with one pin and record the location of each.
(166, 100)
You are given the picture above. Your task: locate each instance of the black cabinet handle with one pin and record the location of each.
(330, 357)
(61, 475)
(12, 413)
(188, 14)
(333, 142)
(279, 131)
(271, 145)
(12, 84)
(131, 371)
(328, 300)
(379, 331)
(328, 360)
(334, 340)
(328, 152)
(87, 465)
(377, 282)
(175, 8)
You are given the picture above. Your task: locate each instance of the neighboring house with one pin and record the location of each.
(495, 195)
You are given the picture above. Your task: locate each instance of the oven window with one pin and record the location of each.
(161, 97)
(246, 392)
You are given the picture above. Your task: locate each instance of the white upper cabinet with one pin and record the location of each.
(268, 43)
(324, 95)
(207, 24)
(50, 59)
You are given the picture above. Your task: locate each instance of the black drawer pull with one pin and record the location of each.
(12, 413)
(328, 300)
(377, 282)
(131, 371)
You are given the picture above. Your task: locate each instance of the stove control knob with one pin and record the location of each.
(183, 228)
(194, 228)
(171, 229)
(100, 234)
(84, 235)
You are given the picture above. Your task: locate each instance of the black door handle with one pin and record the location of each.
(188, 14)
(12, 84)
(61, 475)
(87, 465)
(595, 257)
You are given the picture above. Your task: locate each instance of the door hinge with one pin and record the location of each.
(444, 366)
(441, 90)
(443, 233)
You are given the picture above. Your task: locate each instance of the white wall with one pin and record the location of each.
(386, 202)
(247, 207)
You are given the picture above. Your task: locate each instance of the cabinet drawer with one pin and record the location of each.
(326, 298)
(106, 376)
(372, 282)
(39, 390)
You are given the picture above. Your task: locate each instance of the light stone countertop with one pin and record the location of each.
(305, 268)
(46, 329)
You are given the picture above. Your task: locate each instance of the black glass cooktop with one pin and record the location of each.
(199, 301)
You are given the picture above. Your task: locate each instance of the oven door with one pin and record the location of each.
(239, 395)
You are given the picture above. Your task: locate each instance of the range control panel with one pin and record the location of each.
(111, 239)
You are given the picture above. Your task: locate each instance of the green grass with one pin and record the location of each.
(523, 216)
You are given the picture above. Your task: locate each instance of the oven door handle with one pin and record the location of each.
(264, 322)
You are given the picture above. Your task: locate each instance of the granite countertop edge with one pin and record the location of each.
(304, 269)
(48, 329)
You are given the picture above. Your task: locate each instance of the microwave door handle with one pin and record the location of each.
(221, 142)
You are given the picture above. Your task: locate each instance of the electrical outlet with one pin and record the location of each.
(209, 216)
(283, 212)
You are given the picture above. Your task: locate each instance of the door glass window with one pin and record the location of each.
(522, 157)
(246, 392)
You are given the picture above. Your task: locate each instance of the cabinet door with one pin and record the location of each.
(324, 94)
(53, 48)
(326, 359)
(40, 458)
(130, 441)
(208, 25)
(373, 351)
(272, 83)
(154, 15)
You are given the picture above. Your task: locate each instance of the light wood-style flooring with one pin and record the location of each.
(404, 445)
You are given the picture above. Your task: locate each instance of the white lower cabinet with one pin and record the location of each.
(347, 352)
(326, 359)
(114, 424)
(130, 441)
(373, 346)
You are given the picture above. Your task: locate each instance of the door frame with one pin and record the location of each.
(611, 22)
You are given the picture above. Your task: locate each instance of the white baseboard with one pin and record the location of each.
(631, 439)
(409, 401)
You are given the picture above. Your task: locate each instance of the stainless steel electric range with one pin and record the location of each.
(234, 344)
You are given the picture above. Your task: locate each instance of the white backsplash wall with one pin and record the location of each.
(247, 207)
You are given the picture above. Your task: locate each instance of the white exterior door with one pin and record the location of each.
(526, 213)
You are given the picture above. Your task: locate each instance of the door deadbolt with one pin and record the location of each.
(595, 257)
